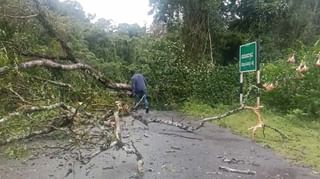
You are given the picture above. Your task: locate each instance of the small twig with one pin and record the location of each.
(73, 170)
(68, 172)
(103, 148)
(283, 135)
(232, 161)
(19, 96)
(57, 83)
(246, 96)
(182, 120)
(138, 154)
(65, 147)
(107, 115)
(76, 112)
(178, 135)
(227, 169)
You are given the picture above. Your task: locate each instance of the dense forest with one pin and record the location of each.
(53, 55)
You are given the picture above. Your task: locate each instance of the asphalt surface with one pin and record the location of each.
(169, 153)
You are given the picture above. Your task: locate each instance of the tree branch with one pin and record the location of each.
(56, 123)
(283, 135)
(36, 55)
(140, 162)
(256, 110)
(183, 126)
(51, 64)
(203, 121)
(260, 123)
(38, 109)
(173, 123)
(21, 17)
(58, 83)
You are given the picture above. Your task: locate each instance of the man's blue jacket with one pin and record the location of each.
(138, 83)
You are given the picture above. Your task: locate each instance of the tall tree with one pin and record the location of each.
(194, 20)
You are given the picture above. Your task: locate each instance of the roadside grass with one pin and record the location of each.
(303, 147)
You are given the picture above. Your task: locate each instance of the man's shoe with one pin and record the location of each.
(147, 110)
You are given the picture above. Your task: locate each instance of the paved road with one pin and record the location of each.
(169, 153)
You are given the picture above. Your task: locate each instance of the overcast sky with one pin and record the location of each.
(120, 11)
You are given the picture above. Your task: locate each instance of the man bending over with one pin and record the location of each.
(139, 89)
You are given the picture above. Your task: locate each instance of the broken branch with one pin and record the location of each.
(117, 130)
(140, 162)
(260, 122)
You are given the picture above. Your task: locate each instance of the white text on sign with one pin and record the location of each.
(247, 64)
(247, 55)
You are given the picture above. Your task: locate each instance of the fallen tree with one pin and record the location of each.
(40, 60)
(100, 130)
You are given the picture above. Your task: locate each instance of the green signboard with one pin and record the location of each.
(248, 57)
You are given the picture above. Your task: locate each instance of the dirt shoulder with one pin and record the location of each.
(169, 153)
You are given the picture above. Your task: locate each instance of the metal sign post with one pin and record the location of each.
(248, 62)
